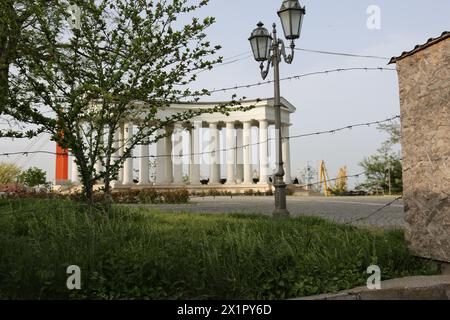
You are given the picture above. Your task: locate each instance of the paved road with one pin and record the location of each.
(338, 209)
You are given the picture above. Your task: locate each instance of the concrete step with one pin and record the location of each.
(410, 288)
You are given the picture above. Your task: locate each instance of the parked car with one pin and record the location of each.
(356, 193)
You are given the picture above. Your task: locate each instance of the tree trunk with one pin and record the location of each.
(10, 31)
(4, 91)
(85, 172)
(108, 191)
(89, 193)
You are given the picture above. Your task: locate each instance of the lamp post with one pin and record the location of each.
(269, 48)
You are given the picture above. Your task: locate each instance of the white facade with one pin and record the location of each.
(230, 158)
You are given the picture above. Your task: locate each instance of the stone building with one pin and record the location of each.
(424, 78)
(226, 146)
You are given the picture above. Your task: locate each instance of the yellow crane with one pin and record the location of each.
(340, 186)
(324, 179)
(341, 181)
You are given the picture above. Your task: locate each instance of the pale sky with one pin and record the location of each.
(325, 101)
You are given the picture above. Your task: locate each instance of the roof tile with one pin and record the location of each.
(430, 42)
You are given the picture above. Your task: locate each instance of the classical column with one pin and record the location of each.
(263, 151)
(178, 154)
(239, 155)
(144, 170)
(161, 160)
(214, 163)
(121, 141)
(116, 154)
(231, 156)
(248, 174)
(98, 164)
(128, 165)
(168, 159)
(75, 174)
(194, 163)
(286, 154)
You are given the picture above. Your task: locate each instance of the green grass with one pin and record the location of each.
(137, 254)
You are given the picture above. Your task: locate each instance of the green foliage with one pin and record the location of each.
(124, 60)
(33, 177)
(147, 196)
(172, 196)
(384, 169)
(379, 170)
(137, 254)
(9, 173)
(394, 132)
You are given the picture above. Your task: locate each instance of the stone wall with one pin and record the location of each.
(425, 112)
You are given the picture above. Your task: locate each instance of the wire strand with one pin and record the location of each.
(375, 212)
(332, 131)
(342, 54)
(299, 76)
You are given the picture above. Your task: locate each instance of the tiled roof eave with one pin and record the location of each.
(417, 48)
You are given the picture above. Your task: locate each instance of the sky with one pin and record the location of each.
(324, 101)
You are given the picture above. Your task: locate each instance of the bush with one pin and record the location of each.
(249, 192)
(178, 196)
(214, 193)
(9, 173)
(33, 177)
(137, 254)
(150, 196)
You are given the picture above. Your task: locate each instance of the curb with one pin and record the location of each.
(410, 288)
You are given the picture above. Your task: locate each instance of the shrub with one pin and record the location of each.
(177, 196)
(9, 173)
(150, 196)
(33, 177)
(214, 193)
(249, 192)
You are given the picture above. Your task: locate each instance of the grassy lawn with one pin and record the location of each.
(134, 253)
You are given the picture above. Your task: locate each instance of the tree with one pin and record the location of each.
(341, 185)
(309, 177)
(33, 177)
(16, 16)
(123, 60)
(384, 169)
(9, 173)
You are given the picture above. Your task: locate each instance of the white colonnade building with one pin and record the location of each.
(233, 152)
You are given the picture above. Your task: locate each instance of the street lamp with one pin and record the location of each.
(269, 48)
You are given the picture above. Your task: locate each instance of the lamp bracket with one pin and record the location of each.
(287, 58)
(265, 72)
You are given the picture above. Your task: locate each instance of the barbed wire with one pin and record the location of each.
(331, 131)
(299, 76)
(345, 54)
(345, 128)
(296, 77)
(357, 175)
(375, 212)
